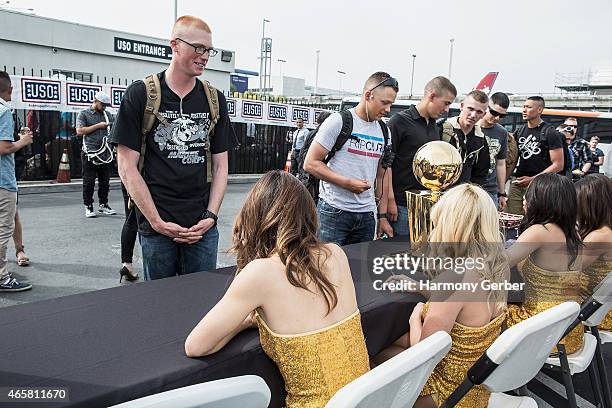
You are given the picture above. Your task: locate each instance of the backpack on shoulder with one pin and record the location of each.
(311, 182)
(567, 158)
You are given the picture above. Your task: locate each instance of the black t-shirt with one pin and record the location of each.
(595, 155)
(409, 131)
(534, 147)
(175, 158)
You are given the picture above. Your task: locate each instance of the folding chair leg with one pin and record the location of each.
(567, 377)
(595, 381)
(522, 391)
(601, 368)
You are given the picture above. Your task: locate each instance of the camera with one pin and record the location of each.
(387, 157)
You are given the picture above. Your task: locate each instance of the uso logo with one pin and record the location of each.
(252, 110)
(300, 113)
(231, 107)
(277, 112)
(79, 94)
(317, 112)
(39, 90)
(116, 96)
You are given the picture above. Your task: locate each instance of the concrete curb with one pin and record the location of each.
(44, 187)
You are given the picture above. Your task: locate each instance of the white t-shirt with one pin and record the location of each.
(357, 159)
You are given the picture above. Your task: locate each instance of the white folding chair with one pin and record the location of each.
(247, 391)
(398, 381)
(592, 313)
(517, 356)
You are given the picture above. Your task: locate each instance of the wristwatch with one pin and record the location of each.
(501, 195)
(382, 215)
(209, 214)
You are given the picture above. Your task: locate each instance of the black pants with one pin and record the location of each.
(294, 161)
(129, 230)
(90, 172)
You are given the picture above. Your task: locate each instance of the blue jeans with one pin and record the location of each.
(162, 257)
(494, 197)
(400, 227)
(345, 227)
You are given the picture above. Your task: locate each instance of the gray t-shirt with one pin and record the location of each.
(497, 138)
(90, 117)
(357, 159)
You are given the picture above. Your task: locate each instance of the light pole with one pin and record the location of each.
(450, 59)
(412, 80)
(175, 9)
(263, 61)
(340, 73)
(280, 67)
(316, 90)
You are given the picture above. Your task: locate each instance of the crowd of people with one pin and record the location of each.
(293, 280)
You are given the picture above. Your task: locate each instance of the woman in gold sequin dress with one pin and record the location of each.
(595, 226)
(298, 290)
(546, 251)
(465, 226)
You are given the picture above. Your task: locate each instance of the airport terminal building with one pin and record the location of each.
(54, 48)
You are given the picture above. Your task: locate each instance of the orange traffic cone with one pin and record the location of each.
(63, 172)
(288, 163)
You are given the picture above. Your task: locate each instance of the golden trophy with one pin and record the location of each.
(436, 165)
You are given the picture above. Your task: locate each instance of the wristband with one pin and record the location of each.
(502, 195)
(382, 215)
(209, 214)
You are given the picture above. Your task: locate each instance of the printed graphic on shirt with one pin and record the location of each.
(494, 147)
(185, 137)
(365, 145)
(529, 146)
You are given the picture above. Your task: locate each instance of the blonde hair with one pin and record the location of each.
(466, 225)
(184, 23)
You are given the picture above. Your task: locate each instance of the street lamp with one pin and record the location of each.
(175, 9)
(263, 61)
(450, 59)
(280, 67)
(412, 80)
(316, 90)
(340, 73)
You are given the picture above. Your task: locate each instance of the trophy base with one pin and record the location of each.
(419, 208)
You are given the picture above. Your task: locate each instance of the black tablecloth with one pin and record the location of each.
(115, 345)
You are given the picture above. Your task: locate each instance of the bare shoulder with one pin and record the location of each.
(601, 235)
(257, 271)
(535, 233)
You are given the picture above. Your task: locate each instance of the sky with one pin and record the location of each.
(526, 41)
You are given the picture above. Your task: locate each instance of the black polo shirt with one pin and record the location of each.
(409, 131)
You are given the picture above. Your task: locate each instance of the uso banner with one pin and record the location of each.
(34, 93)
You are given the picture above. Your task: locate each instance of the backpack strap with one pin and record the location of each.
(345, 134)
(213, 106)
(385, 131)
(151, 113)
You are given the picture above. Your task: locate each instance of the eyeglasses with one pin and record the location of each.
(200, 49)
(496, 113)
(569, 128)
(392, 82)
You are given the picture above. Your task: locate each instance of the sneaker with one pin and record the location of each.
(104, 208)
(12, 285)
(89, 211)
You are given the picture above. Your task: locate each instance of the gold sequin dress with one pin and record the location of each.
(543, 290)
(590, 278)
(469, 343)
(316, 364)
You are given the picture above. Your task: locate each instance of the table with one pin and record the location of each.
(118, 344)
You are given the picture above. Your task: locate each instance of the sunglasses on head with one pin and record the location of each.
(496, 113)
(392, 82)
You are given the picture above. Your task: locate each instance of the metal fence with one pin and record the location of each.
(261, 147)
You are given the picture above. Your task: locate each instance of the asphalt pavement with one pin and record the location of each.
(72, 254)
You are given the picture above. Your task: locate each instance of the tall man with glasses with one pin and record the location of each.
(352, 179)
(497, 139)
(177, 207)
(299, 136)
(411, 129)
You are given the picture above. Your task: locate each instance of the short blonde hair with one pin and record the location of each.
(184, 23)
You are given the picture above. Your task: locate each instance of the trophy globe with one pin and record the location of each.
(437, 165)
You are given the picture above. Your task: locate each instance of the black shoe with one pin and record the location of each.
(12, 285)
(104, 208)
(130, 276)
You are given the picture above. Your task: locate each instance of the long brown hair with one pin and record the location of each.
(279, 218)
(594, 203)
